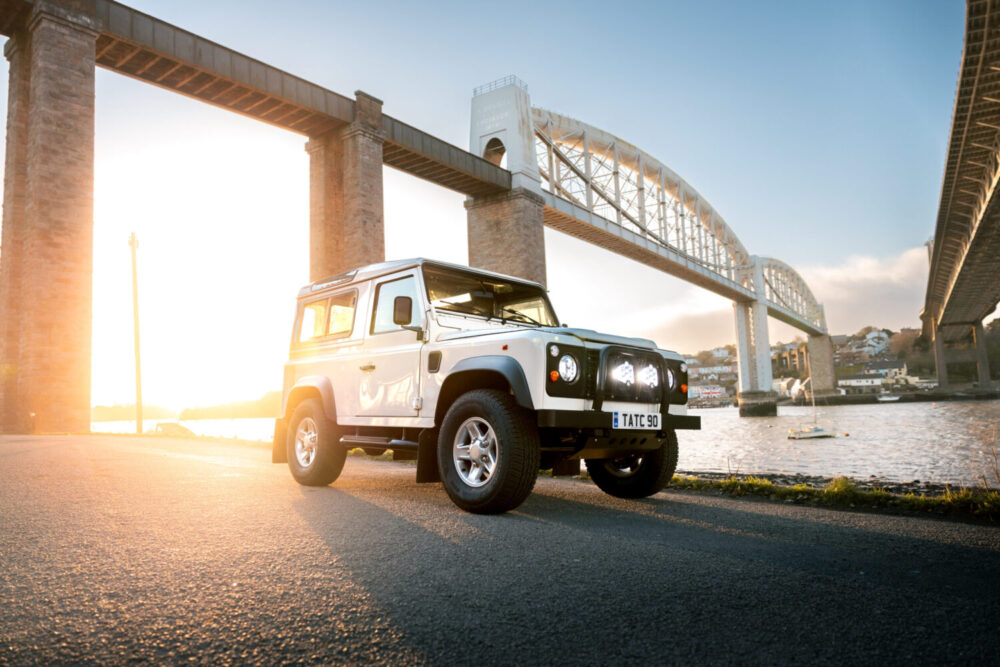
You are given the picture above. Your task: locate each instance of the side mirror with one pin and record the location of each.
(402, 310)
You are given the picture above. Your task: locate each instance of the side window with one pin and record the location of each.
(385, 295)
(342, 307)
(313, 321)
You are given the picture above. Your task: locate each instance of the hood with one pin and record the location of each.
(587, 335)
(592, 336)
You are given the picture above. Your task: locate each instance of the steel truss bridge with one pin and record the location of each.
(635, 205)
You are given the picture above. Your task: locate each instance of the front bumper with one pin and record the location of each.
(589, 419)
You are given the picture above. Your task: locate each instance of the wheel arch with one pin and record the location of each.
(487, 372)
(313, 386)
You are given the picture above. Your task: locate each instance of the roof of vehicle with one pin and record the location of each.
(382, 268)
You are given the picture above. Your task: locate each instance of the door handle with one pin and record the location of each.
(368, 368)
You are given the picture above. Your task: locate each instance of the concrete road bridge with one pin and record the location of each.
(557, 172)
(963, 286)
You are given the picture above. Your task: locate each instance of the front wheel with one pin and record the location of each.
(488, 452)
(636, 475)
(315, 455)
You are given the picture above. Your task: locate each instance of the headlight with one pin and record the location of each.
(670, 379)
(624, 373)
(650, 376)
(568, 368)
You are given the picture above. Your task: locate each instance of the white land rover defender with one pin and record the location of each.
(469, 373)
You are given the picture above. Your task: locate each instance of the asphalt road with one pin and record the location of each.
(116, 549)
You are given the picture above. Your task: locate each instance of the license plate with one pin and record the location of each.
(636, 421)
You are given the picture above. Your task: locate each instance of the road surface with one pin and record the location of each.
(117, 548)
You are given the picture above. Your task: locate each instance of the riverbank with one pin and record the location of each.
(910, 397)
(980, 504)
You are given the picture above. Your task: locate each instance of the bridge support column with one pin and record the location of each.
(940, 359)
(753, 353)
(14, 186)
(820, 364)
(982, 358)
(346, 219)
(48, 308)
(507, 234)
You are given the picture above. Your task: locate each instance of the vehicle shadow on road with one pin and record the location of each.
(748, 571)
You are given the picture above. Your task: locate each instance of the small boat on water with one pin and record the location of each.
(887, 398)
(807, 432)
(814, 430)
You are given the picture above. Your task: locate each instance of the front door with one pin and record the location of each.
(389, 367)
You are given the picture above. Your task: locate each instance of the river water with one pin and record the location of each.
(944, 443)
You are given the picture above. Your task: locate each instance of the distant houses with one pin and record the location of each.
(861, 383)
(887, 369)
(863, 362)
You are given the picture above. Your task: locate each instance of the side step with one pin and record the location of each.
(377, 441)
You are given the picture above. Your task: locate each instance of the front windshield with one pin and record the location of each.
(470, 293)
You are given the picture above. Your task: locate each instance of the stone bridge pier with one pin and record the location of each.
(47, 244)
(346, 215)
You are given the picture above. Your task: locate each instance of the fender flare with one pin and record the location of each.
(319, 383)
(508, 367)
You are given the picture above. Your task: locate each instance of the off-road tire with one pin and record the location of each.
(652, 474)
(517, 457)
(328, 456)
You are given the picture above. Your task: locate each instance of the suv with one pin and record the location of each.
(469, 373)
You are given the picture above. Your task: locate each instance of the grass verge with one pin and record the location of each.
(841, 492)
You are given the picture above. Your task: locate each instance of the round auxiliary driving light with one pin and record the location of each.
(568, 368)
(684, 367)
(554, 350)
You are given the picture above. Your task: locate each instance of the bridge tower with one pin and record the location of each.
(506, 231)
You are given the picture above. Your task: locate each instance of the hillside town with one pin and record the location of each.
(873, 361)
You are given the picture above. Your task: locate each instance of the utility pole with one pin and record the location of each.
(133, 243)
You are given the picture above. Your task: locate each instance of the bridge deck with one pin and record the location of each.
(963, 286)
(146, 48)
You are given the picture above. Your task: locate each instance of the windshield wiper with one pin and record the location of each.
(465, 307)
(518, 313)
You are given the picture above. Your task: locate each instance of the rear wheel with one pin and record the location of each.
(488, 452)
(636, 475)
(315, 455)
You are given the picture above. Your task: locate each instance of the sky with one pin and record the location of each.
(817, 130)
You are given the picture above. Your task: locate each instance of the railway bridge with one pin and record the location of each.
(526, 168)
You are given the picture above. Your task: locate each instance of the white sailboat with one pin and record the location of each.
(814, 430)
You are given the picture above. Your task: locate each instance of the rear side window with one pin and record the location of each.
(313, 321)
(342, 307)
(329, 318)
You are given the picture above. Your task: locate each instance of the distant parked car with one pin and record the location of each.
(173, 429)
